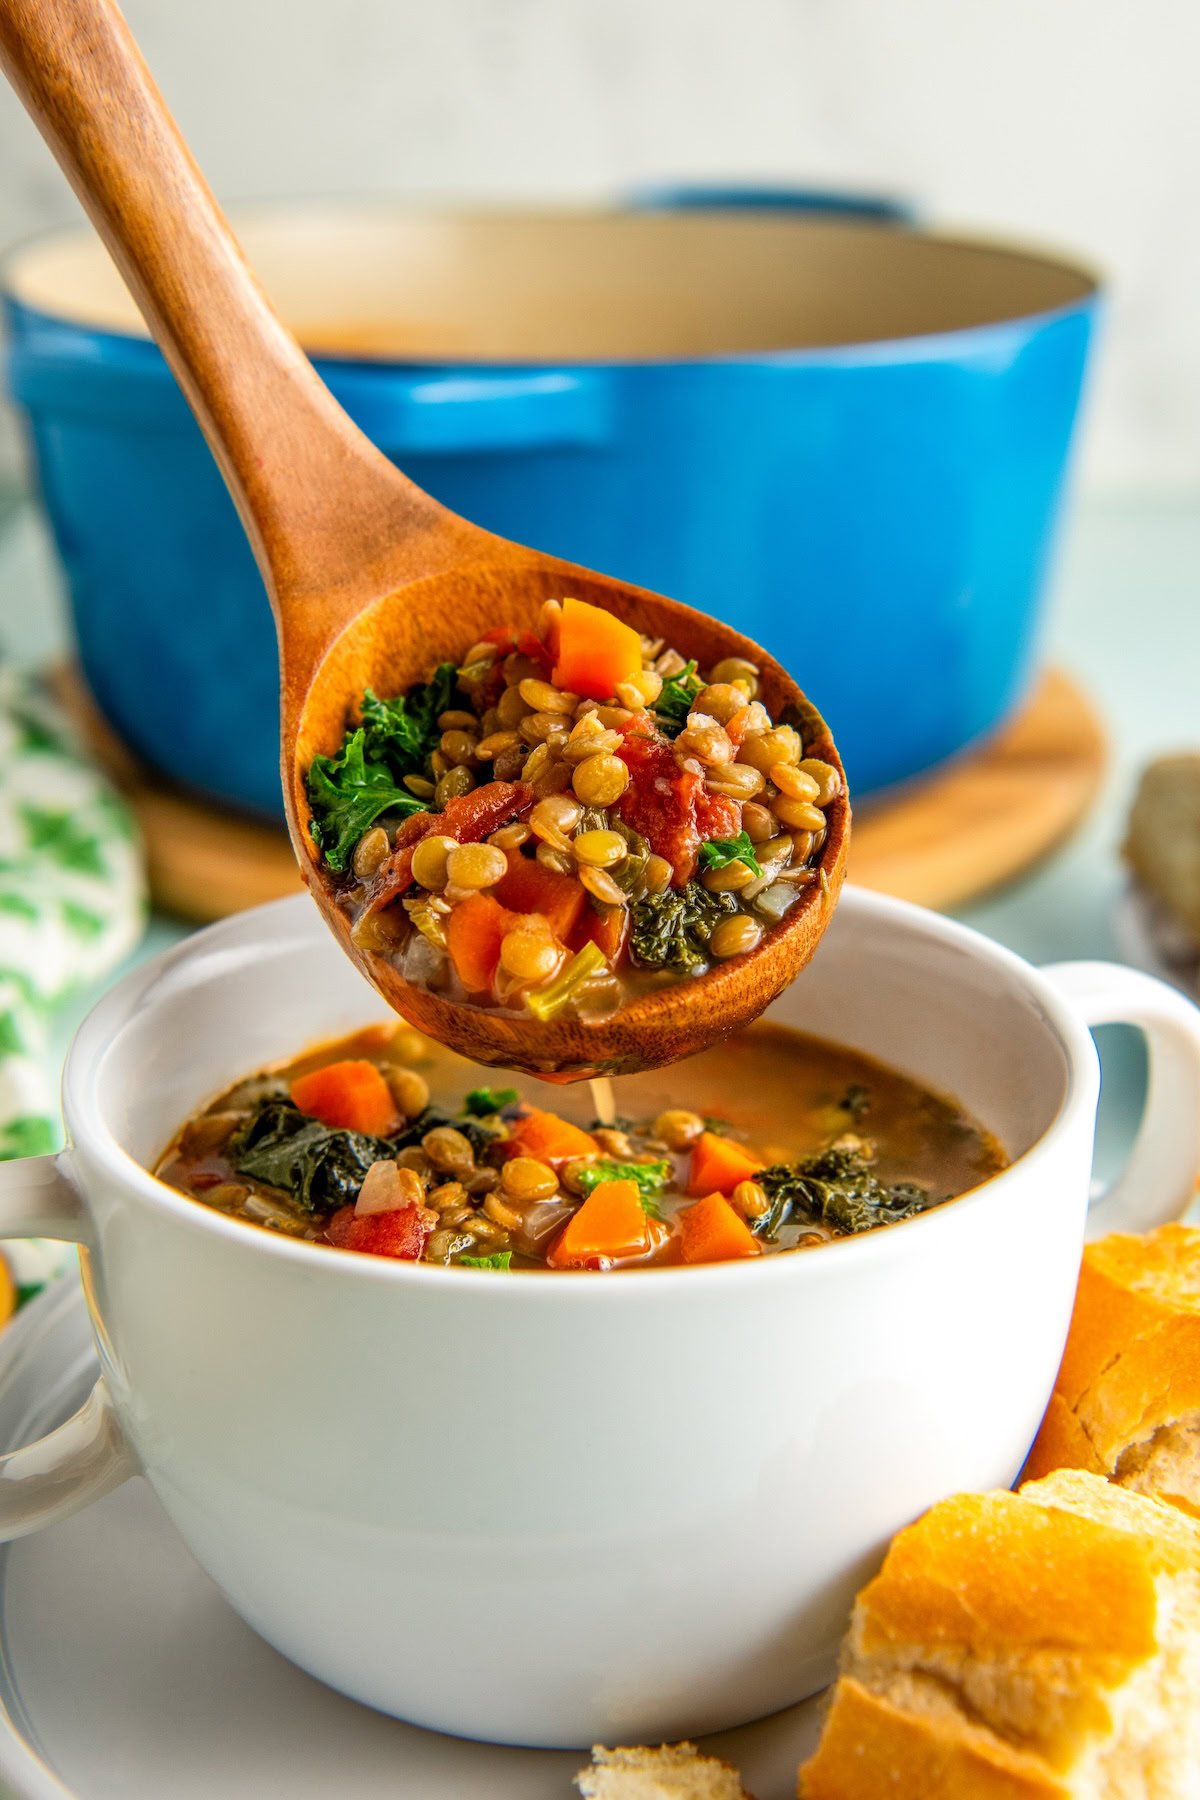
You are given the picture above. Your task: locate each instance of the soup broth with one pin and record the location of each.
(383, 1143)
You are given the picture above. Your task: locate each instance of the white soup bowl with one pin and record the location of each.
(549, 1508)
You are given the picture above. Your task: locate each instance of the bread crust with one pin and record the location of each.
(997, 1652)
(1131, 1366)
(872, 1750)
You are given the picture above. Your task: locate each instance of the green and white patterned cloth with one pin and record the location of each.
(72, 906)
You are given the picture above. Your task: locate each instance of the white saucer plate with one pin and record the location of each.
(124, 1675)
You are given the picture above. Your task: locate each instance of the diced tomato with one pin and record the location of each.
(348, 1096)
(528, 643)
(400, 1234)
(467, 817)
(529, 887)
(717, 815)
(660, 801)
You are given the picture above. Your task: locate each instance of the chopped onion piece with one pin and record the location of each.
(385, 1190)
(774, 901)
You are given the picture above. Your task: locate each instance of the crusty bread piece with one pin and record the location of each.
(1126, 1401)
(672, 1772)
(1034, 1646)
(1162, 844)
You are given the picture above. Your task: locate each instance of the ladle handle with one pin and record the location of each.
(292, 459)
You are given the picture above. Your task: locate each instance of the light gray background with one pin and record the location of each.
(1071, 121)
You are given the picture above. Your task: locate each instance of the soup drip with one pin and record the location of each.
(603, 1099)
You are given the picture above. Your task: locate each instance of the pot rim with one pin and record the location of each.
(21, 279)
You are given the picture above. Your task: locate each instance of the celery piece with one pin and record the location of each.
(549, 1001)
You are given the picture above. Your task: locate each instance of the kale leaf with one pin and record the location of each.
(350, 791)
(319, 1167)
(838, 1188)
(718, 853)
(671, 930)
(674, 703)
(477, 1135)
(482, 1101)
(499, 1259)
(347, 794)
(650, 1178)
(402, 732)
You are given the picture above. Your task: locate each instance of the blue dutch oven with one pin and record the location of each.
(844, 435)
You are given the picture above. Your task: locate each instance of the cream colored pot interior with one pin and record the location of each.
(584, 287)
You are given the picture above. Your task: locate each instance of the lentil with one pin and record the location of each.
(735, 936)
(600, 849)
(829, 782)
(448, 1149)
(678, 1128)
(801, 815)
(453, 783)
(721, 700)
(736, 668)
(749, 1199)
(602, 885)
(527, 1178)
(600, 780)
(729, 879)
(544, 697)
(430, 860)
(410, 1091)
(529, 952)
(370, 851)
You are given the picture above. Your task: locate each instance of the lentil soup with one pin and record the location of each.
(382, 1144)
(568, 817)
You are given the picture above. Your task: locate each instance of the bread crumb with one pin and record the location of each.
(672, 1772)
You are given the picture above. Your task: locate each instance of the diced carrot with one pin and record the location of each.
(549, 1138)
(596, 650)
(611, 1223)
(737, 727)
(348, 1096)
(718, 1164)
(710, 1231)
(608, 930)
(400, 1234)
(475, 930)
(529, 888)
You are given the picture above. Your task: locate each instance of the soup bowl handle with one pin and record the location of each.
(87, 1455)
(1158, 1182)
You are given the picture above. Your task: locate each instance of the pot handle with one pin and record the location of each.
(1158, 1182)
(733, 196)
(87, 1456)
(406, 411)
(460, 412)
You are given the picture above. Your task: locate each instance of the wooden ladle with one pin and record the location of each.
(371, 581)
